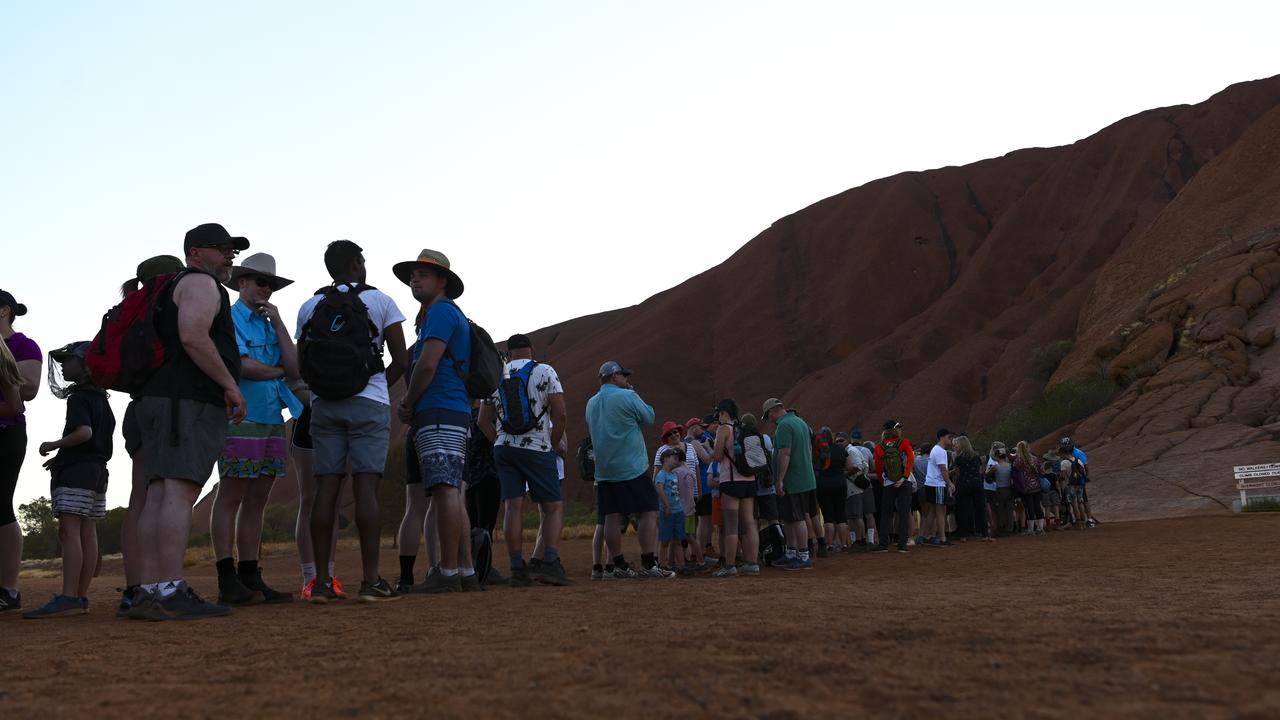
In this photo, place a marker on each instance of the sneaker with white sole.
(625, 572)
(654, 573)
(749, 569)
(726, 571)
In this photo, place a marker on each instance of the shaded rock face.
(923, 296)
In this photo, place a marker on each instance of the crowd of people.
(211, 378)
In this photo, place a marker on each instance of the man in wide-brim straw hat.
(435, 261)
(254, 452)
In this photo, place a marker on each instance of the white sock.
(871, 536)
(308, 572)
(168, 589)
(331, 568)
(448, 572)
(467, 572)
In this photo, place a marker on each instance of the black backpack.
(773, 544)
(485, 362)
(337, 352)
(515, 407)
(587, 460)
(481, 553)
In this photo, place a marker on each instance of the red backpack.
(128, 349)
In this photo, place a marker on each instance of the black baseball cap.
(212, 235)
(518, 341)
(892, 424)
(7, 300)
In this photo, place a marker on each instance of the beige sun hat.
(260, 264)
(437, 260)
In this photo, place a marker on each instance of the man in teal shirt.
(615, 416)
(797, 496)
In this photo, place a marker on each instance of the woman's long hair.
(1024, 454)
(964, 448)
(9, 373)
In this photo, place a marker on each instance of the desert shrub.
(1046, 359)
(1063, 404)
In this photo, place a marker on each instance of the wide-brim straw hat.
(260, 264)
(435, 259)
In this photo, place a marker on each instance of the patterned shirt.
(543, 383)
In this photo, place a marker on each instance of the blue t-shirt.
(1079, 455)
(445, 322)
(614, 418)
(669, 484)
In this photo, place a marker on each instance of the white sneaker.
(726, 571)
(748, 569)
(655, 573)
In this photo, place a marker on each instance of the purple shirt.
(23, 348)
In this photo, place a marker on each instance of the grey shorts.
(183, 450)
(855, 505)
(356, 429)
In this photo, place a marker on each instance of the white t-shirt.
(384, 313)
(937, 461)
(543, 383)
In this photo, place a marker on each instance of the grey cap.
(611, 368)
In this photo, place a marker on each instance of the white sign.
(1245, 472)
(1257, 484)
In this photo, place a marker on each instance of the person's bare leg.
(324, 522)
(10, 554)
(413, 524)
(447, 502)
(703, 534)
(613, 534)
(129, 528)
(227, 497)
(431, 533)
(73, 558)
(250, 519)
(746, 520)
(552, 526)
(173, 527)
(729, 521)
(540, 545)
(306, 500)
(365, 487)
(88, 549)
(513, 527)
(647, 532)
(597, 546)
(148, 524)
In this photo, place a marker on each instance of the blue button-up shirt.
(614, 418)
(258, 341)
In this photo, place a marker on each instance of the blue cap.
(611, 368)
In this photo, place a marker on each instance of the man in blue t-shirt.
(438, 411)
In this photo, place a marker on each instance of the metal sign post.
(1248, 478)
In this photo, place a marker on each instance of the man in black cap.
(526, 422)
(183, 412)
(13, 448)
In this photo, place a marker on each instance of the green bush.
(1045, 360)
(39, 530)
(1063, 404)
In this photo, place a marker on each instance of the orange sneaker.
(307, 587)
(337, 588)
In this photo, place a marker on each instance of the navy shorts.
(521, 468)
(627, 497)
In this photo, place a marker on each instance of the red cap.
(693, 422)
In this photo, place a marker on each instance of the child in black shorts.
(79, 482)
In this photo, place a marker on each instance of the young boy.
(671, 524)
(79, 484)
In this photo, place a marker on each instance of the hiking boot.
(727, 571)
(654, 573)
(625, 572)
(551, 573)
(379, 591)
(471, 583)
(273, 597)
(320, 592)
(748, 569)
(10, 602)
(496, 578)
(436, 582)
(231, 591)
(520, 577)
(146, 606)
(185, 604)
(59, 606)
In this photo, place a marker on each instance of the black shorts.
(302, 430)
(738, 489)
(767, 507)
(915, 498)
(702, 506)
(130, 430)
(832, 502)
(797, 507)
(628, 497)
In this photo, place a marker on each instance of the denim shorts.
(356, 429)
(521, 468)
(440, 441)
(671, 527)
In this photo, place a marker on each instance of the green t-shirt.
(793, 433)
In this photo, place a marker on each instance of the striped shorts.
(80, 489)
(440, 443)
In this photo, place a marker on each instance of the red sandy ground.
(1168, 618)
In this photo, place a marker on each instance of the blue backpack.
(515, 410)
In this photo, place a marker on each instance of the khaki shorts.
(181, 439)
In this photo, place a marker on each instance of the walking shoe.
(781, 562)
(10, 602)
(1091, 523)
(59, 606)
(933, 542)
(654, 573)
(797, 564)
(379, 591)
(471, 583)
(823, 551)
(748, 569)
(306, 590)
(185, 604)
(231, 591)
(902, 549)
(127, 599)
(624, 572)
(320, 592)
(520, 577)
(880, 549)
(337, 588)
(496, 578)
(404, 587)
(945, 542)
(146, 606)
(726, 571)
(436, 582)
(551, 573)
(274, 597)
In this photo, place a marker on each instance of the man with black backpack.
(341, 333)
(530, 416)
(182, 411)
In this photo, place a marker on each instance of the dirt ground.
(1168, 618)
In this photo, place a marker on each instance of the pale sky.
(568, 157)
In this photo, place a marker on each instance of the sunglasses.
(224, 249)
(262, 282)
